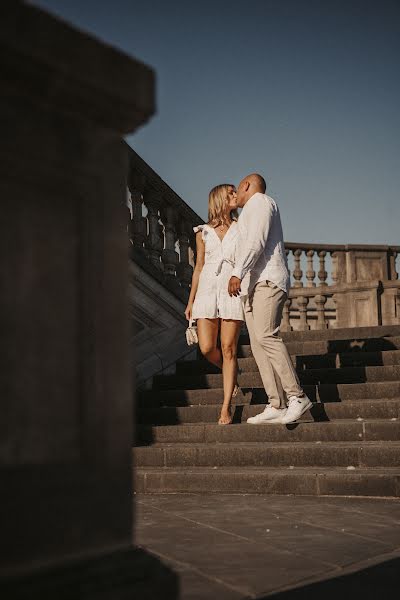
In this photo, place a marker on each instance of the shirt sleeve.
(254, 231)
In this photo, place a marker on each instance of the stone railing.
(160, 227)
(331, 285)
(341, 286)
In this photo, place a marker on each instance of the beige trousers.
(263, 312)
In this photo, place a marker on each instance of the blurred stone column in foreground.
(66, 399)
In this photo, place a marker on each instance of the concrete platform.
(228, 547)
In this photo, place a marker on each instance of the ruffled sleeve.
(198, 228)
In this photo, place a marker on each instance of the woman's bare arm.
(200, 257)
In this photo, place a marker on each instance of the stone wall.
(66, 396)
(158, 327)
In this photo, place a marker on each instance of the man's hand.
(234, 286)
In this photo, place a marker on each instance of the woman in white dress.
(209, 301)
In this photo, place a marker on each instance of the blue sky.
(306, 93)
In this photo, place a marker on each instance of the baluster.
(320, 302)
(302, 302)
(286, 316)
(397, 306)
(192, 248)
(335, 323)
(297, 272)
(393, 272)
(129, 203)
(154, 242)
(322, 274)
(184, 270)
(335, 274)
(138, 227)
(287, 252)
(129, 215)
(310, 273)
(169, 256)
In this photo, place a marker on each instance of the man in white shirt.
(261, 277)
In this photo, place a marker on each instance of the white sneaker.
(296, 407)
(269, 415)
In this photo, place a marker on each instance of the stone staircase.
(347, 444)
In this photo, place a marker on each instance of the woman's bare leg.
(230, 330)
(207, 331)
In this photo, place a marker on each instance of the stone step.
(366, 332)
(356, 358)
(270, 454)
(378, 482)
(252, 379)
(294, 348)
(316, 361)
(365, 409)
(323, 392)
(338, 334)
(350, 374)
(331, 431)
(317, 347)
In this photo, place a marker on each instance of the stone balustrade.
(341, 286)
(160, 227)
(332, 285)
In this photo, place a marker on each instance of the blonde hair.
(217, 200)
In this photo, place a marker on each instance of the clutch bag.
(191, 334)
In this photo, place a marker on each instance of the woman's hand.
(234, 286)
(188, 311)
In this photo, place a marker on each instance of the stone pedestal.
(66, 398)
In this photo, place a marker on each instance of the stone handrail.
(332, 285)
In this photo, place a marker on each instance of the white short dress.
(212, 300)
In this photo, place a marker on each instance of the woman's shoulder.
(199, 228)
(204, 228)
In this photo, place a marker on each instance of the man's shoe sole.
(276, 420)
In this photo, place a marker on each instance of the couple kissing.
(241, 274)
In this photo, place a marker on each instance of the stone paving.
(228, 547)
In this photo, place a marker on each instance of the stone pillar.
(339, 266)
(392, 261)
(66, 398)
(365, 263)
